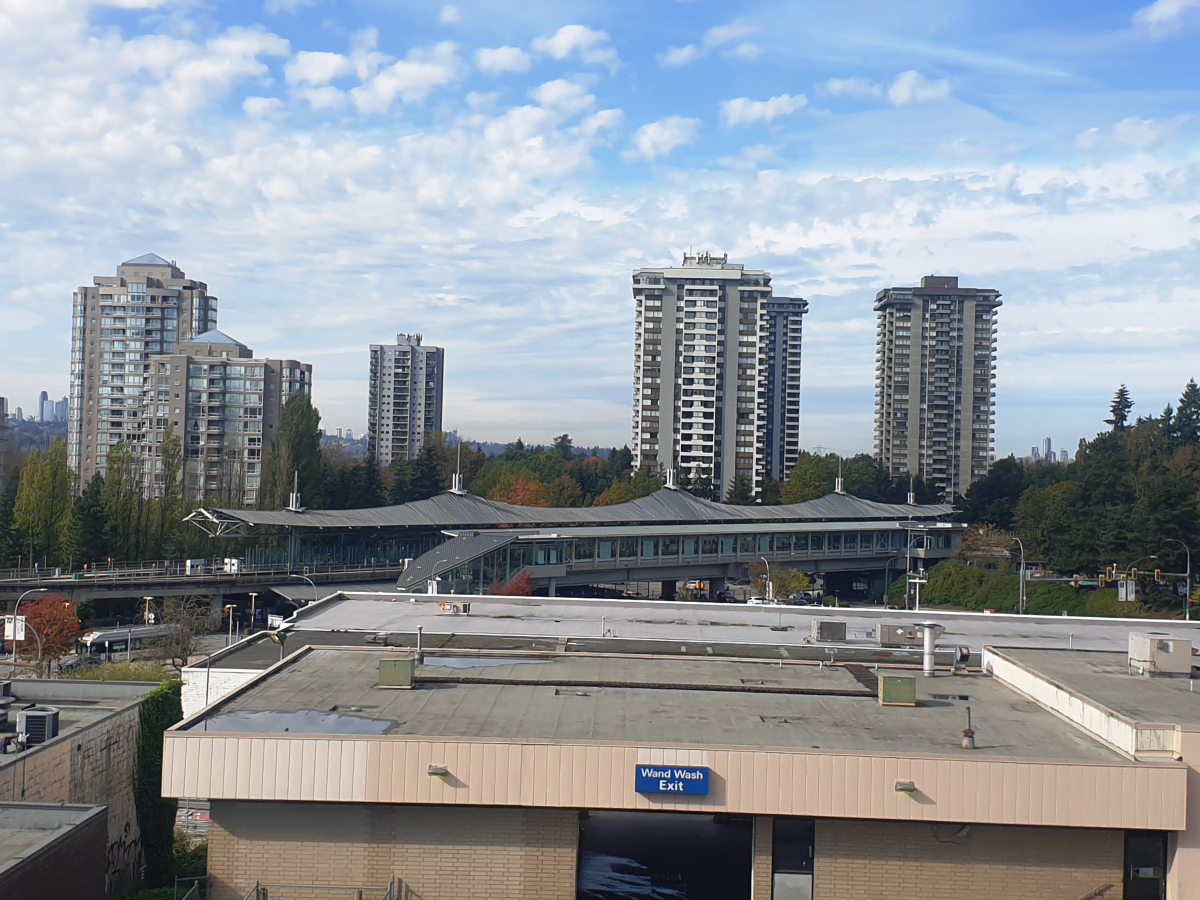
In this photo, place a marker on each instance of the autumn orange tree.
(519, 489)
(53, 617)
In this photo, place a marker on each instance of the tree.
(784, 582)
(87, 534)
(1120, 407)
(563, 445)
(9, 539)
(986, 546)
(189, 617)
(427, 475)
(520, 488)
(42, 507)
(520, 585)
(623, 490)
(994, 498)
(294, 456)
(769, 493)
(1187, 417)
(741, 492)
(53, 619)
(809, 479)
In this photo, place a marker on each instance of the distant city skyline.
(492, 179)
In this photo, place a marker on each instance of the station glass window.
(849, 541)
(783, 543)
(649, 548)
(670, 546)
(816, 542)
(766, 543)
(728, 546)
(746, 543)
(628, 548)
(691, 546)
(606, 549)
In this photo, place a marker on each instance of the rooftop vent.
(1157, 653)
(897, 690)
(38, 723)
(396, 672)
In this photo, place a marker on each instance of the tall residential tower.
(935, 382)
(405, 400)
(716, 372)
(147, 308)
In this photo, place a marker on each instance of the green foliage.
(135, 670)
(1120, 408)
(190, 861)
(294, 457)
(160, 709)
(9, 540)
(815, 476)
(559, 476)
(741, 492)
(1105, 603)
(993, 499)
(42, 509)
(87, 538)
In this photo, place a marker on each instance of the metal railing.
(200, 888)
(173, 571)
(272, 891)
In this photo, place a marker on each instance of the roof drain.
(968, 740)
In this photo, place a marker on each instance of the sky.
(490, 173)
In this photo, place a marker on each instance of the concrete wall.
(70, 867)
(481, 853)
(857, 860)
(93, 765)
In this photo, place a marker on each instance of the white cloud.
(308, 67)
(679, 56)
(1131, 133)
(502, 59)
(743, 110)
(660, 138)
(261, 106)
(674, 57)
(747, 52)
(1164, 15)
(913, 87)
(592, 46)
(449, 14)
(850, 87)
(723, 34)
(565, 96)
(410, 79)
(276, 6)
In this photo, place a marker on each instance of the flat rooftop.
(550, 617)
(25, 828)
(643, 700)
(1103, 676)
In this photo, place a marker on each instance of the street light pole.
(16, 609)
(1021, 579)
(1187, 579)
(310, 581)
(768, 588)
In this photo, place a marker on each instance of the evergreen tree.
(87, 535)
(1120, 407)
(1187, 417)
(993, 499)
(741, 492)
(769, 493)
(563, 445)
(8, 537)
(426, 475)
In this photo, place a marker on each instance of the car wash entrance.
(664, 856)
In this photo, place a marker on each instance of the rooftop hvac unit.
(828, 630)
(38, 723)
(396, 672)
(892, 635)
(1157, 653)
(897, 690)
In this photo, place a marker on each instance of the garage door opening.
(664, 856)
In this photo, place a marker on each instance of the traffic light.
(1158, 575)
(1101, 582)
(1133, 573)
(1108, 574)
(1075, 580)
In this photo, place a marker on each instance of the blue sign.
(672, 779)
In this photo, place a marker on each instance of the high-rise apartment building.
(224, 404)
(117, 324)
(716, 372)
(405, 401)
(935, 382)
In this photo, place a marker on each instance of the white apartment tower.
(405, 401)
(935, 382)
(117, 324)
(716, 372)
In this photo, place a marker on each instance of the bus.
(124, 642)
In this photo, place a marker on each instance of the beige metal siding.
(760, 782)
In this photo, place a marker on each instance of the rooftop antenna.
(839, 486)
(456, 487)
(912, 491)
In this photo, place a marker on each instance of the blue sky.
(489, 173)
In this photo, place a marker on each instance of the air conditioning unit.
(893, 635)
(38, 723)
(1157, 653)
(455, 608)
(828, 630)
(397, 672)
(897, 690)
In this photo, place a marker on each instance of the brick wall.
(760, 884)
(438, 853)
(871, 860)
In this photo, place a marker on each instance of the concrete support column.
(667, 590)
(550, 588)
(715, 586)
(764, 862)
